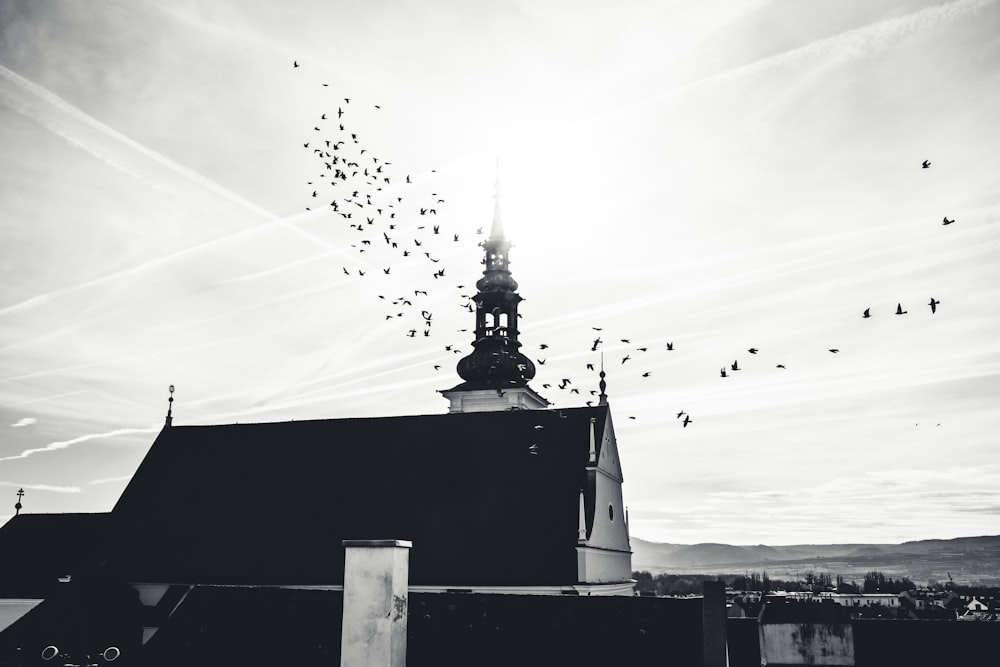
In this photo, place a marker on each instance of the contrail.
(123, 478)
(63, 444)
(107, 144)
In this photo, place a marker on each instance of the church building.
(501, 494)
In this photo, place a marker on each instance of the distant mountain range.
(968, 560)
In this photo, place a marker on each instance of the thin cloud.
(43, 487)
(26, 421)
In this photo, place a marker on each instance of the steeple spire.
(496, 231)
(495, 363)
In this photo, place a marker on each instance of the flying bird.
(295, 63)
(679, 414)
(926, 164)
(899, 309)
(687, 420)
(735, 365)
(533, 449)
(866, 314)
(753, 350)
(722, 372)
(933, 304)
(626, 358)
(947, 221)
(670, 346)
(834, 350)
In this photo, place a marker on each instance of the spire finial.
(496, 231)
(602, 384)
(17, 505)
(170, 407)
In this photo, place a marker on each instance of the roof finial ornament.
(170, 407)
(603, 385)
(18, 505)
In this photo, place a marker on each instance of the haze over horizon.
(722, 176)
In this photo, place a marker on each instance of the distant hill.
(966, 559)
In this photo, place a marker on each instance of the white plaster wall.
(599, 566)
(609, 530)
(489, 400)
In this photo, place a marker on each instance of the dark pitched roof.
(36, 549)
(270, 503)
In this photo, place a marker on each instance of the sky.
(723, 175)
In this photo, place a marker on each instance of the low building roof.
(37, 549)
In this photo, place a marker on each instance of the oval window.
(611, 512)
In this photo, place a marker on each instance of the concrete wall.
(806, 644)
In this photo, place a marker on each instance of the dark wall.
(468, 629)
(880, 643)
(273, 626)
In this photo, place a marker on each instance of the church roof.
(40, 548)
(271, 503)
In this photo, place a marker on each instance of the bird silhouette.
(926, 164)
(647, 374)
(543, 346)
(722, 372)
(687, 420)
(780, 366)
(899, 309)
(596, 343)
(933, 304)
(866, 313)
(533, 449)
(753, 350)
(626, 358)
(735, 365)
(679, 414)
(590, 367)
(541, 362)
(947, 221)
(834, 350)
(670, 346)
(295, 63)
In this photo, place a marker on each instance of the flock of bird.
(381, 206)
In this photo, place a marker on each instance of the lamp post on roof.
(170, 408)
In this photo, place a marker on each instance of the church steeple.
(496, 373)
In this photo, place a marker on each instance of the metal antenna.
(17, 505)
